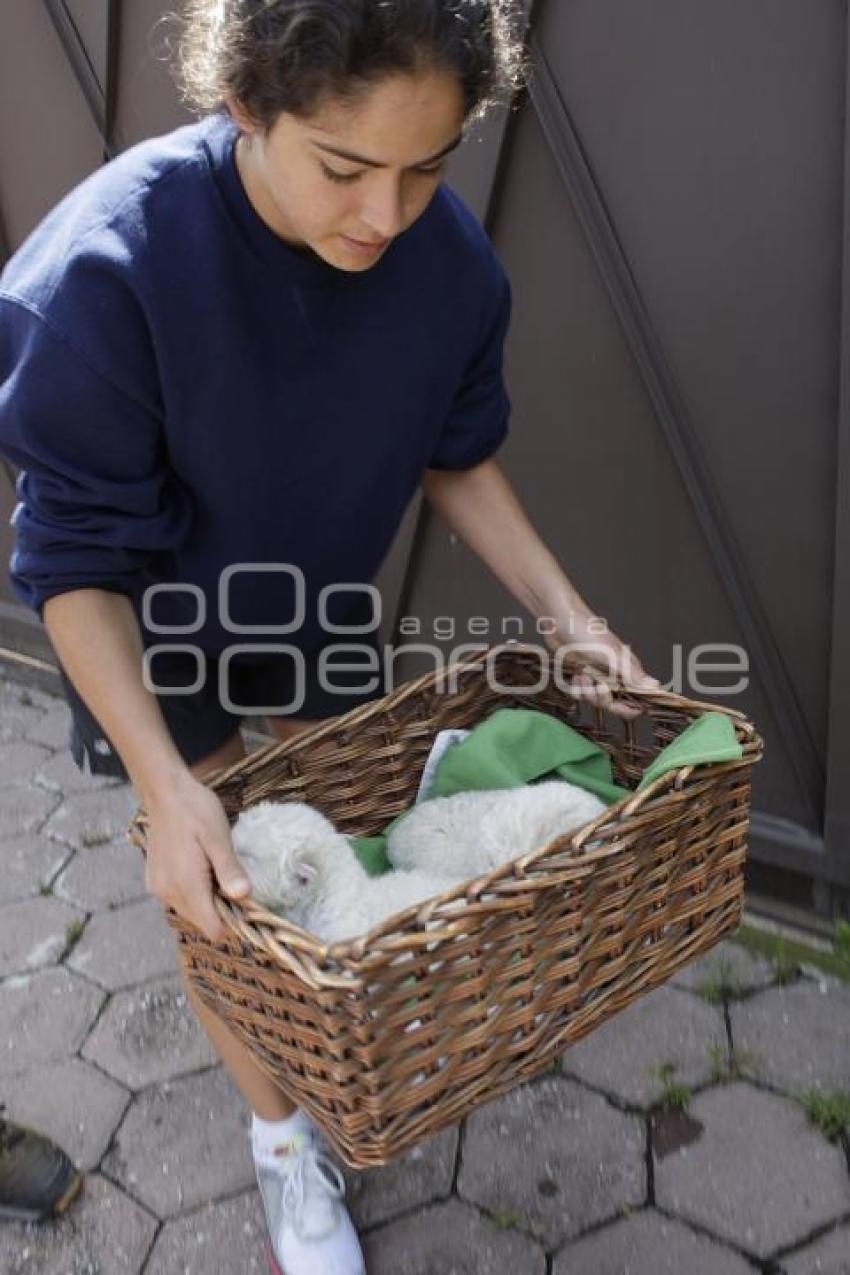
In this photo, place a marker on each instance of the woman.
(239, 348)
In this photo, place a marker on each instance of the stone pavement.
(670, 1140)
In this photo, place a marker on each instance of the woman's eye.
(334, 176)
(345, 178)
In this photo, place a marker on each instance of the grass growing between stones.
(675, 1095)
(785, 967)
(90, 839)
(726, 1065)
(721, 985)
(505, 1220)
(841, 944)
(73, 934)
(787, 955)
(830, 1112)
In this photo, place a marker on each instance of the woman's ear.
(241, 116)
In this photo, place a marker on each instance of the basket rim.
(642, 697)
(314, 960)
(249, 922)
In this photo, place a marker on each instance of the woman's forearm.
(96, 636)
(480, 505)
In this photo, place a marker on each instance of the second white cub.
(474, 832)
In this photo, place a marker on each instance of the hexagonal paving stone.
(92, 818)
(60, 771)
(20, 760)
(102, 877)
(648, 1244)
(24, 692)
(34, 932)
(149, 1034)
(420, 1176)
(732, 963)
(103, 1233)
(72, 1103)
(184, 1143)
(29, 863)
(450, 1239)
(41, 696)
(16, 715)
(126, 946)
(759, 1175)
(221, 1239)
(44, 1017)
(556, 1156)
(25, 808)
(51, 728)
(796, 1037)
(830, 1255)
(667, 1026)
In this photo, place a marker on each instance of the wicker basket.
(390, 1037)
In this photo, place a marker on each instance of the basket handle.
(643, 697)
(639, 697)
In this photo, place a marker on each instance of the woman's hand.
(602, 663)
(188, 844)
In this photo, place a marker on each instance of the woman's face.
(348, 179)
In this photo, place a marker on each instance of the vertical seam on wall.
(670, 411)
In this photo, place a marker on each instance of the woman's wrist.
(162, 783)
(565, 616)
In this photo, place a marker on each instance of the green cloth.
(515, 746)
(711, 738)
(372, 853)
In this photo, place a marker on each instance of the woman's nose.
(383, 212)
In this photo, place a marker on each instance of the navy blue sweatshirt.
(184, 392)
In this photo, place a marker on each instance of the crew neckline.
(305, 267)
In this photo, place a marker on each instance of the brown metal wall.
(47, 139)
(670, 209)
(48, 142)
(713, 136)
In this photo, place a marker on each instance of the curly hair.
(289, 55)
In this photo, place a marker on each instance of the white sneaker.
(310, 1231)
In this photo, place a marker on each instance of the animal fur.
(475, 832)
(301, 868)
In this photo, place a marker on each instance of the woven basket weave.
(387, 1038)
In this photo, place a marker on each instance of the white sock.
(270, 1137)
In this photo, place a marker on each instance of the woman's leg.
(257, 1088)
(284, 1143)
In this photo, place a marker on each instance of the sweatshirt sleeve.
(96, 500)
(478, 421)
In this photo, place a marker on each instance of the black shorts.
(209, 702)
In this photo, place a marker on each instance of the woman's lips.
(365, 249)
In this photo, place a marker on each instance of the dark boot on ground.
(37, 1180)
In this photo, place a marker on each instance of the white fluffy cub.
(474, 832)
(304, 870)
